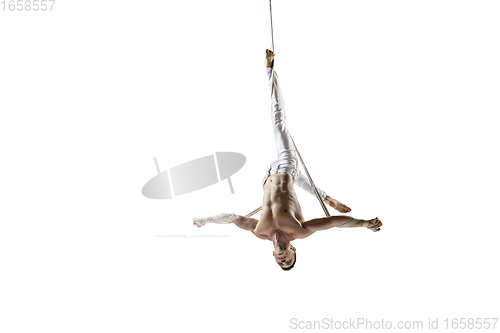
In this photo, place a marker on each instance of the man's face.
(285, 258)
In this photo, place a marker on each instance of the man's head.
(286, 258)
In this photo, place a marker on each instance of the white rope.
(271, 12)
(310, 180)
(254, 211)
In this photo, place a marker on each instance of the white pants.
(287, 155)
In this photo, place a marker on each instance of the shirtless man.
(282, 220)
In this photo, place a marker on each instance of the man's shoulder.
(302, 231)
(261, 236)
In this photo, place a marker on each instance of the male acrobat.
(281, 220)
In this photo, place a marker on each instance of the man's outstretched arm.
(341, 222)
(243, 222)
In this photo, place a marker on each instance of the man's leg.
(287, 154)
(284, 143)
(304, 184)
(287, 157)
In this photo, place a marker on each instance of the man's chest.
(273, 220)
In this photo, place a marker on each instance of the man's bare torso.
(280, 209)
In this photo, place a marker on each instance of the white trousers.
(287, 160)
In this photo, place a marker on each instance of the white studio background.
(392, 105)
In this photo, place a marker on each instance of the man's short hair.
(291, 266)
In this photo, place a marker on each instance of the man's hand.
(269, 58)
(199, 222)
(337, 205)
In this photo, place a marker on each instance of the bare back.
(280, 208)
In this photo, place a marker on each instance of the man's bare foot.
(337, 205)
(269, 58)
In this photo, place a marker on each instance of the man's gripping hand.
(200, 222)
